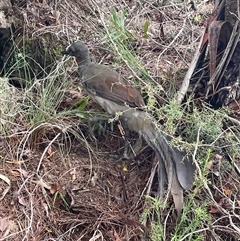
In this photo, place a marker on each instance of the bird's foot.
(97, 124)
(134, 149)
(124, 157)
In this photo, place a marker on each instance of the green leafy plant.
(120, 40)
(152, 214)
(145, 29)
(57, 195)
(119, 32)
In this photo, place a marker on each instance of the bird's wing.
(106, 83)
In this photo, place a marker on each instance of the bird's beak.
(65, 52)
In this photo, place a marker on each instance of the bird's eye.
(93, 91)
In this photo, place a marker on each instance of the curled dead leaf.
(22, 201)
(73, 173)
(7, 180)
(50, 152)
(228, 192)
(94, 179)
(20, 172)
(53, 189)
(117, 237)
(213, 209)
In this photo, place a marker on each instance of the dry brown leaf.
(15, 162)
(50, 152)
(117, 238)
(228, 192)
(222, 201)
(15, 173)
(94, 179)
(218, 157)
(22, 201)
(20, 172)
(7, 180)
(213, 209)
(53, 189)
(4, 222)
(73, 173)
(209, 165)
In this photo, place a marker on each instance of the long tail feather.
(175, 167)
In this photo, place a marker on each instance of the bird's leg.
(126, 145)
(125, 135)
(96, 119)
(135, 148)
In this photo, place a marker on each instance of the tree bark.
(232, 11)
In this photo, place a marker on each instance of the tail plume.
(175, 167)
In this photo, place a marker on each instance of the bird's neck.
(83, 61)
(83, 65)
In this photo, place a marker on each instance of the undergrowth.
(31, 105)
(33, 110)
(202, 128)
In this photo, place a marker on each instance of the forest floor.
(59, 180)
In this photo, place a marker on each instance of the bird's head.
(78, 50)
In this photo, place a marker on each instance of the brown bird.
(115, 95)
